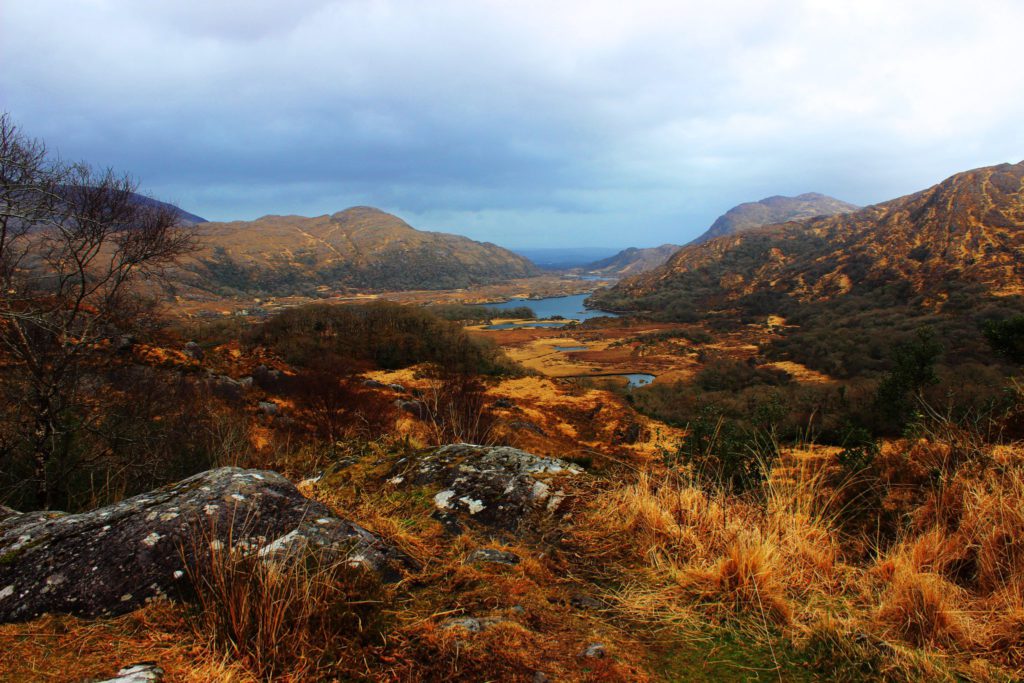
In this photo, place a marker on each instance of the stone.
(491, 556)
(397, 387)
(144, 672)
(267, 378)
(194, 351)
(594, 651)
(417, 408)
(495, 486)
(585, 602)
(373, 384)
(269, 408)
(115, 559)
(468, 623)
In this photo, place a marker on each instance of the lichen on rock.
(114, 559)
(493, 486)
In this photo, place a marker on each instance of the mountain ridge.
(360, 248)
(771, 210)
(969, 226)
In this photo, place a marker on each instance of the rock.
(228, 388)
(526, 425)
(144, 672)
(585, 602)
(504, 403)
(267, 378)
(594, 651)
(194, 351)
(114, 559)
(417, 408)
(269, 408)
(373, 384)
(468, 623)
(495, 486)
(471, 624)
(125, 343)
(540, 677)
(397, 387)
(489, 555)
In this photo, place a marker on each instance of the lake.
(565, 306)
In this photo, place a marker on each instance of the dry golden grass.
(290, 620)
(945, 595)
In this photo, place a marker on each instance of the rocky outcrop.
(116, 558)
(493, 486)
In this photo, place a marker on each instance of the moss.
(11, 556)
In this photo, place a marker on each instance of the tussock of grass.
(277, 617)
(947, 595)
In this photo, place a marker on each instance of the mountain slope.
(771, 210)
(851, 285)
(183, 216)
(359, 249)
(633, 261)
(741, 218)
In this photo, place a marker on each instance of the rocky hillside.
(775, 209)
(967, 229)
(748, 216)
(851, 286)
(633, 261)
(359, 249)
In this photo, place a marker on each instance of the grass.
(296, 617)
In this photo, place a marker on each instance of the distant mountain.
(564, 258)
(632, 261)
(969, 228)
(183, 215)
(748, 216)
(950, 256)
(359, 249)
(775, 209)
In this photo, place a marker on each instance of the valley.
(408, 456)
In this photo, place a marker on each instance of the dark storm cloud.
(519, 122)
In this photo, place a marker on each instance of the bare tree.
(74, 243)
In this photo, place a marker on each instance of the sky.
(558, 123)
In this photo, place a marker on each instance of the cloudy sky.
(531, 124)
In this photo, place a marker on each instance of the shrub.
(1006, 337)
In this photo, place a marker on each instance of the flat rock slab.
(495, 486)
(114, 559)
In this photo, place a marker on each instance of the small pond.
(639, 379)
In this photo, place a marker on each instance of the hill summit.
(776, 209)
(361, 248)
(968, 228)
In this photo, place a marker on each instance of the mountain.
(740, 218)
(775, 209)
(632, 261)
(850, 285)
(359, 249)
(183, 216)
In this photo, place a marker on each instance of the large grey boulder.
(114, 559)
(494, 486)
